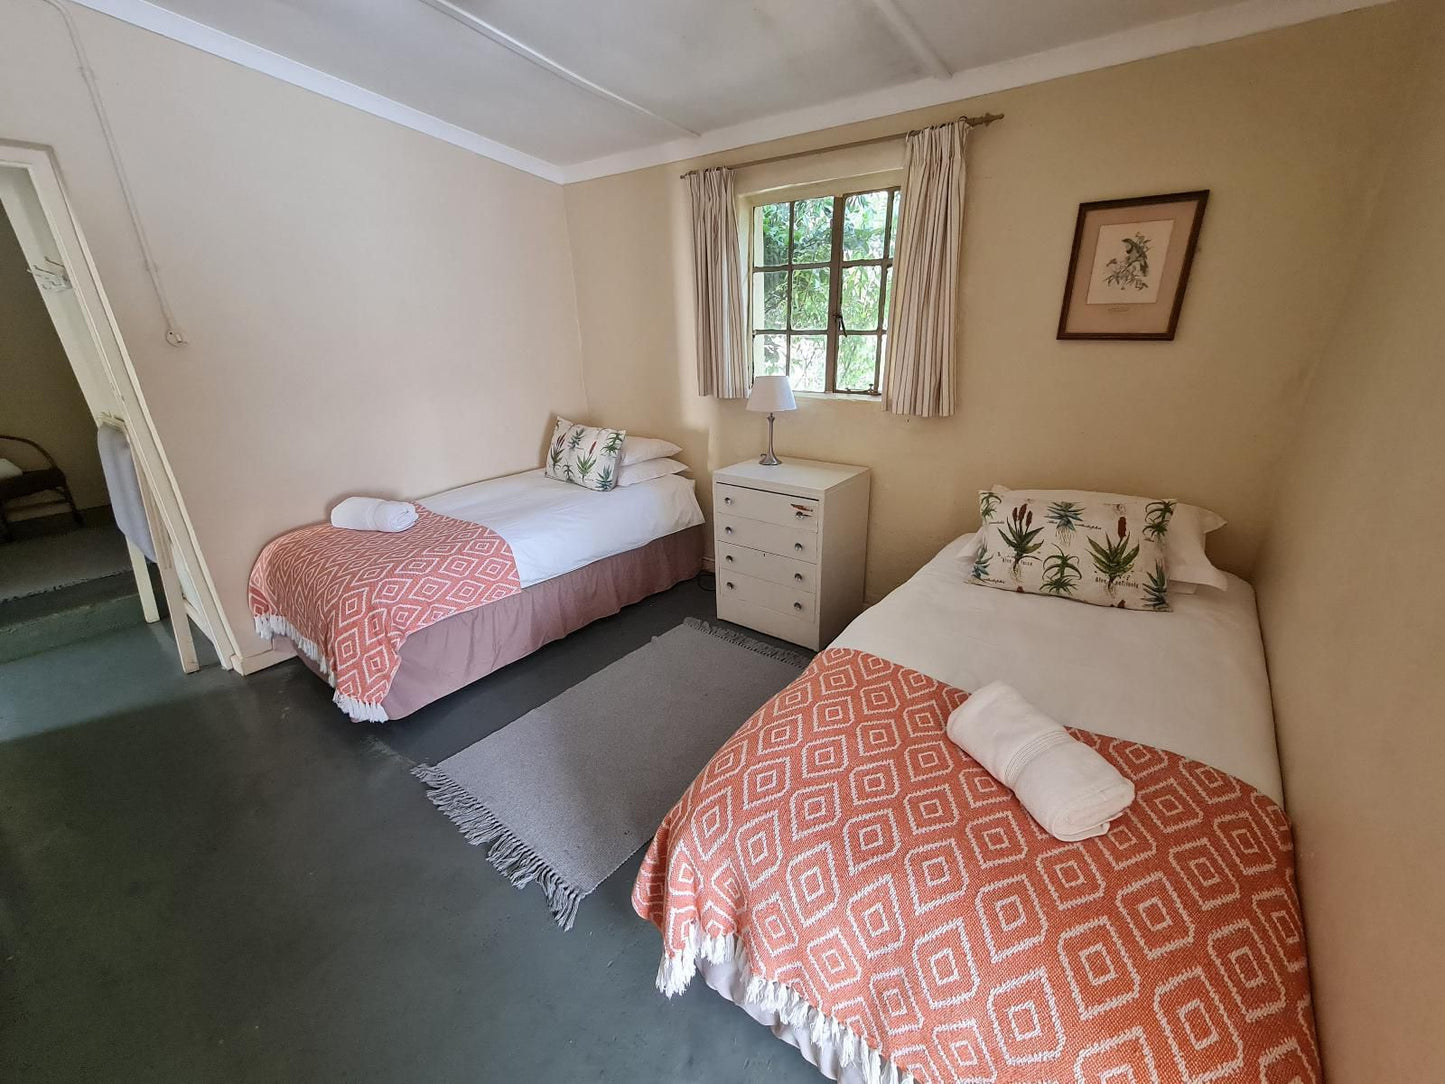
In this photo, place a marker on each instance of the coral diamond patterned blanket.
(876, 885)
(349, 599)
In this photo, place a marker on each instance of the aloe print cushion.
(584, 456)
(1105, 554)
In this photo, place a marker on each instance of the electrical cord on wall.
(174, 335)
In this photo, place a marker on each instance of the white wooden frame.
(177, 550)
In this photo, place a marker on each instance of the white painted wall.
(368, 309)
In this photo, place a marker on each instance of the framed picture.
(1130, 266)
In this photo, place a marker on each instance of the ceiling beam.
(167, 23)
(1120, 47)
(908, 35)
(526, 52)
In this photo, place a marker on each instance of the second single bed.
(573, 555)
(858, 884)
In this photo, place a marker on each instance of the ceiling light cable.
(174, 335)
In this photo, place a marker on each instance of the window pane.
(887, 285)
(860, 296)
(770, 235)
(770, 355)
(893, 237)
(809, 363)
(770, 299)
(855, 362)
(864, 216)
(812, 230)
(882, 358)
(810, 299)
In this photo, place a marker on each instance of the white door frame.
(119, 373)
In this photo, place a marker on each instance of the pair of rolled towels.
(373, 514)
(1065, 785)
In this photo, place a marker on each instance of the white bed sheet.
(555, 528)
(1192, 681)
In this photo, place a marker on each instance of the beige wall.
(368, 308)
(39, 396)
(1285, 129)
(1353, 609)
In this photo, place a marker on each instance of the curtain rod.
(973, 122)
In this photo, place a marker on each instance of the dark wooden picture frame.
(1148, 300)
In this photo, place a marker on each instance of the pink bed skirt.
(451, 654)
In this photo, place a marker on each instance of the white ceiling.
(577, 88)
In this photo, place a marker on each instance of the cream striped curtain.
(919, 369)
(722, 348)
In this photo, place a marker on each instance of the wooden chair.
(28, 483)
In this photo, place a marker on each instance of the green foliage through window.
(820, 276)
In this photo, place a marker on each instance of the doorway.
(65, 569)
(62, 383)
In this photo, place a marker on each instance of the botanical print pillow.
(583, 456)
(1106, 554)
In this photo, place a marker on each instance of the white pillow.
(9, 469)
(646, 472)
(1184, 548)
(641, 449)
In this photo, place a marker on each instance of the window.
(819, 299)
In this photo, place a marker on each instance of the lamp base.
(768, 459)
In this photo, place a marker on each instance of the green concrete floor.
(210, 878)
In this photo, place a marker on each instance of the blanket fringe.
(796, 656)
(362, 711)
(508, 853)
(677, 970)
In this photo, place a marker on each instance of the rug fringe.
(677, 970)
(509, 854)
(361, 711)
(800, 657)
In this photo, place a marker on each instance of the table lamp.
(771, 394)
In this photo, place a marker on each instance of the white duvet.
(1192, 681)
(555, 528)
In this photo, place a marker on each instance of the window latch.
(842, 327)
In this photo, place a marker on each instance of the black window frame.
(836, 265)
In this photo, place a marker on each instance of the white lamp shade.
(771, 395)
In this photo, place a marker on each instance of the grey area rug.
(566, 793)
(52, 561)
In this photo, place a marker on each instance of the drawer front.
(802, 605)
(802, 545)
(799, 575)
(792, 629)
(776, 508)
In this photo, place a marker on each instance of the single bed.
(1192, 682)
(580, 555)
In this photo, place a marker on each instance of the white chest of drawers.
(790, 543)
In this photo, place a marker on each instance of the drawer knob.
(730, 585)
(796, 575)
(796, 605)
(728, 558)
(727, 500)
(727, 530)
(801, 515)
(796, 545)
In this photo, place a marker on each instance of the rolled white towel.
(1068, 788)
(373, 514)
